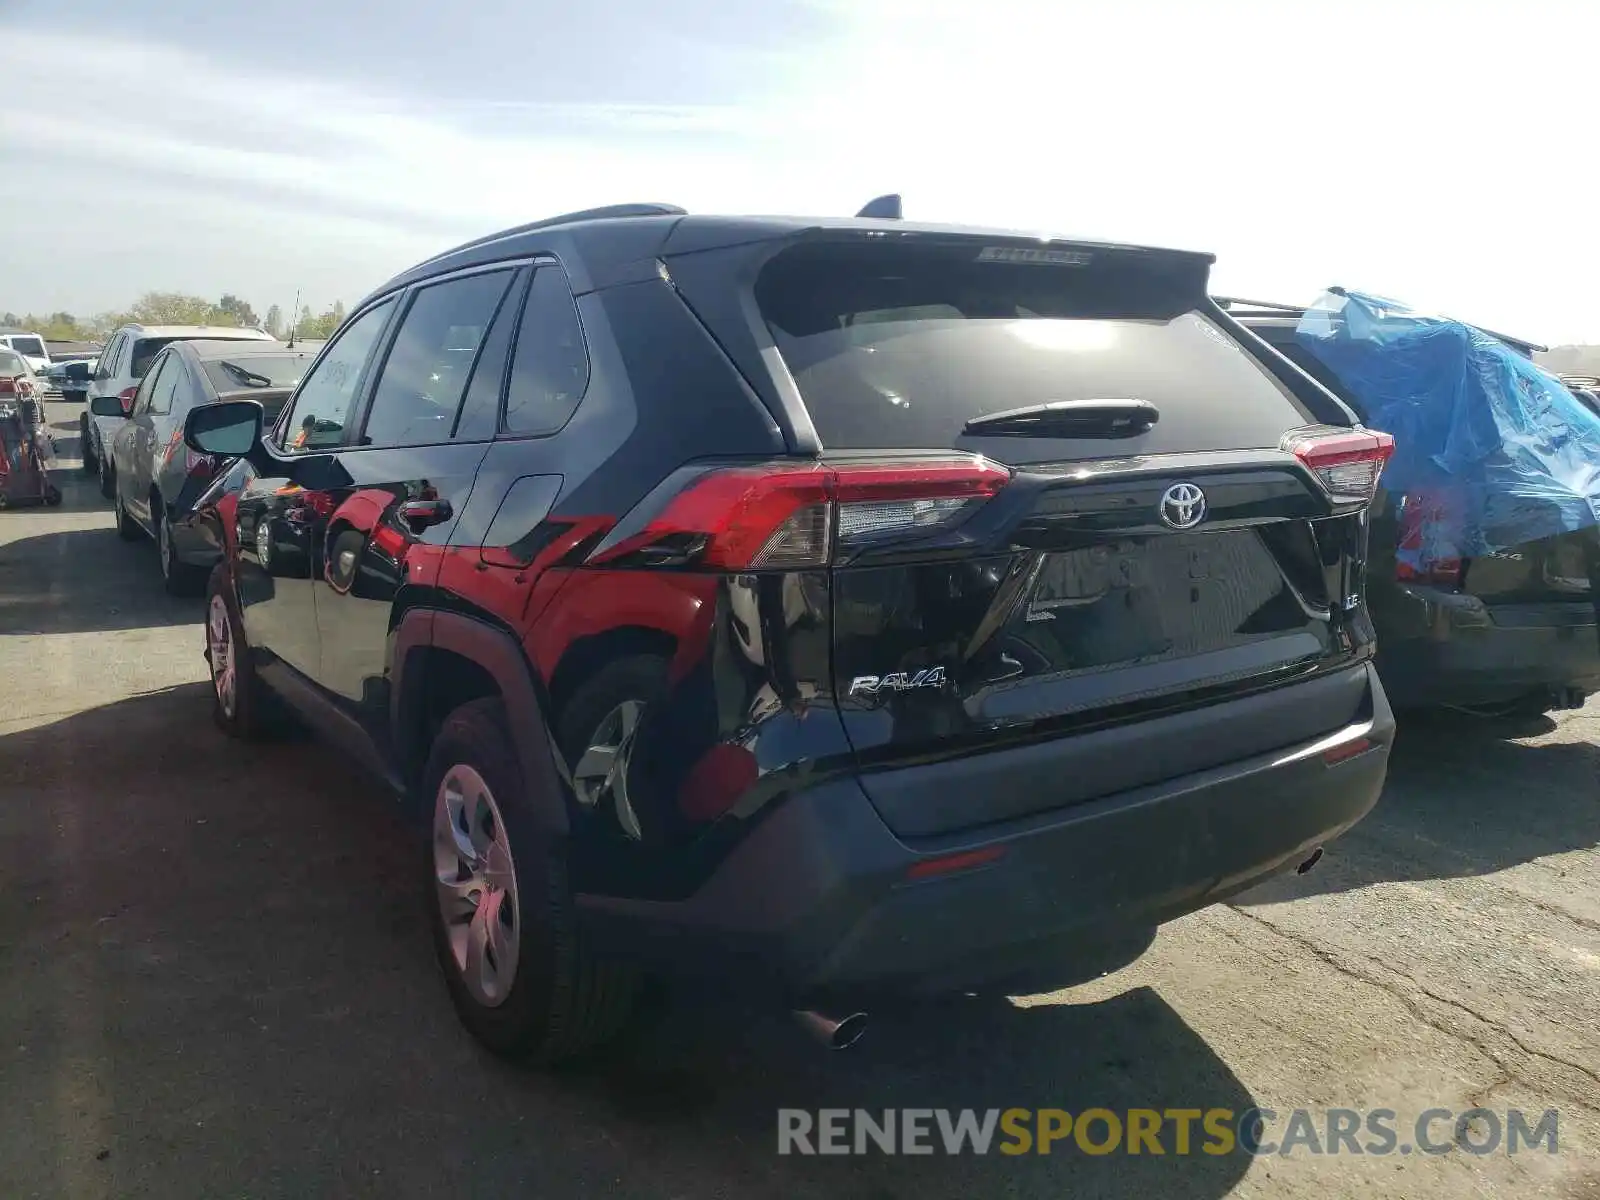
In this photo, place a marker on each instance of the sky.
(1444, 154)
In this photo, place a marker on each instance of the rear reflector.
(1348, 462)
(948, 864)
(1348, 750)
(783, 515)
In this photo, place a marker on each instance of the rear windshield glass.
(144, 353)
(28, 345)
(898, 347)
(12, 364)
(257, 371)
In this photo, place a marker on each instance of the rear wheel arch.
(442, 660)
(589, 654)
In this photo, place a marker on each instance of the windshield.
(11, 364)
(28, 345)
(257, 371)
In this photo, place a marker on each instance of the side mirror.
(107, 406)
(78, 372)
(228, 428)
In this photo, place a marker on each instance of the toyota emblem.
(1183, 506)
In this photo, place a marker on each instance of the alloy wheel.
(476, 885)
(602, 769)
(219, 642)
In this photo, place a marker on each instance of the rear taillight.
(1423, 553)
(8, 385)
(786, 515)
(1348, 462)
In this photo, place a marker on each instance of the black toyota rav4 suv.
(847, 607)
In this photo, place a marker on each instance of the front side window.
(428, 367)
(323, 405)
(550, 371)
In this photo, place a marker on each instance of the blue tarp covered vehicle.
(1505, 448)
(1484, 545)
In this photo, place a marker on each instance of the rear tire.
(128, 529)
(534, 990)
(180, 578)
(244, 708)
(108, 478)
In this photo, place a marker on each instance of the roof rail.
(1232, 302)
(609, 212)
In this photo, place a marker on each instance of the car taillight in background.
(1347, 462)
(8, 384)
(783, 515)
(126, 396)
(1423, 522)
(194, 463)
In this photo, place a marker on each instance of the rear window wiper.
(248, 378)
(1070, 418)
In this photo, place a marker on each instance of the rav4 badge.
(897, 681)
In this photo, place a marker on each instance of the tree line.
(176, 308)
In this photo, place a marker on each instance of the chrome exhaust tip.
(834, 1033)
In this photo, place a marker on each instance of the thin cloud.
(1391, 150)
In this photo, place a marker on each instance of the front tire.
(85, 447)
(108, 478)
(519, 974)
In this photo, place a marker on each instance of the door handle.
(419, 514)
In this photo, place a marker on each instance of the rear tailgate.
(1127, 571)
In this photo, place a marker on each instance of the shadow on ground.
(82, 581)
(217, 980)
(1463, 799)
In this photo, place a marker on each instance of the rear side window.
(430, 363)
(897, 347)
(550, 370)
(165, 390)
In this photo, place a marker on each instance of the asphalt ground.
(216, 980)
